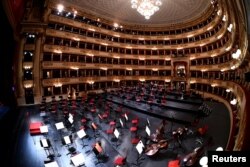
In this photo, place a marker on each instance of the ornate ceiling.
(171, 11)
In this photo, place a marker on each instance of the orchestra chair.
(203, 130)
(135, 121)
(110, 131)
(120, 161)
(112, 124)
(135, 140)
(133, 130)
(174, 163)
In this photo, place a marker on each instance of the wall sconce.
(28, 86)
(74, 68)
(58, 51)
(104, 68)
(193, 81)
(90, 54)
(213, 85)
(27, 67)
(233, 102)
(57, 84)
(91, 82)
(142, 79)
(129, 69)
(155, 69)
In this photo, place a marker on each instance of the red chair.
(120, 161)
(174, 163)
(135, 140)
(203, 130)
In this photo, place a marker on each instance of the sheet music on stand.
(71, 120)
(148, 130)
(121, 122)
(59, 125)
(81, 133)
(67, 140)
(139, 147)
(44, 143)
(126, 117)
(78, 159)
(148, 122)
(94, 126)
(116, 133)
(44, 129)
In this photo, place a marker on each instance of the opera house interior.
(123, 83)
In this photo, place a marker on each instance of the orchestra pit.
(107, 83)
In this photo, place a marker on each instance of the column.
(36, 66)
(20, 88)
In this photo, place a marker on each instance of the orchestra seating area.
(175, 140)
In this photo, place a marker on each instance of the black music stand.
(82, 134)
(78, 160)
(97, 151)
(148, 122)
(44, 130)
(67, 140)
(94, 128)
(117, 134)
(139, 148)
(148, 132)
(126, 119)
(45, 143)
(59, 127)
(122, 125)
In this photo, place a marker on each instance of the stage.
(26, 150)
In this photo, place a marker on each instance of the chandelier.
(146, 7)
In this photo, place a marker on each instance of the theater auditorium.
(132, 83)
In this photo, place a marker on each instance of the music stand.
(94, 127)
(78, 160)
(117, 134)
(81, 134)
(122, 125)
(97, 151)
(71, 119)
(45, 143)
(44, 129)
(51, 164)
(126, 118)
(139, 147)
(66, 141)
(148, 131)
(59, 127)
(148, 122)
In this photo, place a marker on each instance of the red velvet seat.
(133, 129)
(119, 161)
(203, 130)
(135, 140)
(174, 163)
(110, 131)
(112, 123)
(35, 128)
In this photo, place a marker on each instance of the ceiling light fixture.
(146, 7)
